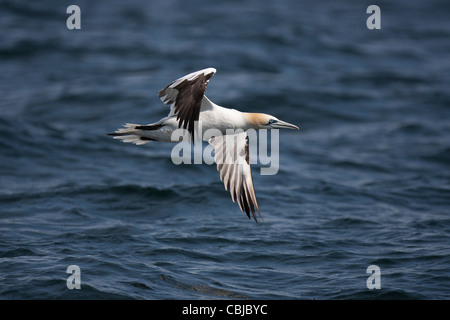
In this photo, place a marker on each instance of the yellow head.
(266, 121)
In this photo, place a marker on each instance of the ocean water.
(366, 181)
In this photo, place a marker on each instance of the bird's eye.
(271, 121)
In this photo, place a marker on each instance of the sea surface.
(366, 180)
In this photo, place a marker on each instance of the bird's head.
(266, 121)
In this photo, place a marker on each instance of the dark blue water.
(366, 181)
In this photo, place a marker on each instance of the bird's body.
(191, 110)
(212, 116)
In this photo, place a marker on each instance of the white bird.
(188, 107)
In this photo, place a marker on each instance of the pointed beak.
(284, 125)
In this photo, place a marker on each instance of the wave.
(93, 190)
(202, 289)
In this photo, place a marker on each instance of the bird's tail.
(135, 133)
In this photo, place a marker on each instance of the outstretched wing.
(185, 97)
(231, 154)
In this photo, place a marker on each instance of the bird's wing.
(185, 97)
(231, 154)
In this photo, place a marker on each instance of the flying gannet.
(188, 107)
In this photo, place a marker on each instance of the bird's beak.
(284, 125)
